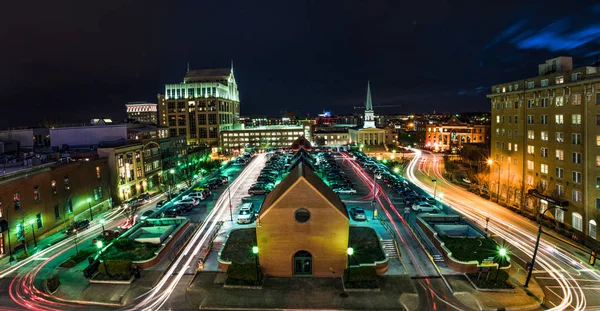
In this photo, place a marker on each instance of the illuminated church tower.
(369, 114)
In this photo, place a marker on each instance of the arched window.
(577, 221)
(592, 229)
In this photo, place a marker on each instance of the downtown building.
(142, 112)
(545, 144)
(204, 104)
(451, 134)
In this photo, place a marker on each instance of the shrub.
(118, 269)
(243, 274)
(22, 256)
(238, 247)
(491, 283)
(361, 277)
(125, 249)
(366, 245)
(53, 282)
(82, 255)
(124, 244)
(70, 263)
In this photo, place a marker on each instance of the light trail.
(549, 256)
(159, 295)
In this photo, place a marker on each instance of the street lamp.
(537, 243)
(502, 253)
(230, 207)
(31, 222)
(434, 187)
(374, 195)
(89, 200)
(171, 171)
(76, 237)
(490, 162)
(102, 223)
(99, 246)
(255, 252)
(350, 252)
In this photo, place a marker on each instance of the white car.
(246, 214)
(187, 201)
(344, 190)
(423, 207)
(195, 195)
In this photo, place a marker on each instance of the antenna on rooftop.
(188, 67)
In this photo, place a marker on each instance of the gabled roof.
(302, 173)
(302, 157)
(301, 143)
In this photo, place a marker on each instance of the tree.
(130, 211)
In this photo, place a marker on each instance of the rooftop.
(206, 74)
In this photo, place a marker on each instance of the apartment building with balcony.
(546, 143)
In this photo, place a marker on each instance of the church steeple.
(369, 114)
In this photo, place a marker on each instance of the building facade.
(275, 136)
(368, 135)
(546, 143)
(453, 133)
(331, 137)
(29, 138)
(204, 104)
(48, 198)
(133, 166)
(292, 225)
(142, 112)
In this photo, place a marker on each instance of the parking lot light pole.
(230, 207)
(102, 223)
(502, 254)
(31, 222)
(89, 200)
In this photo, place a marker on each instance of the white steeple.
(369, 114)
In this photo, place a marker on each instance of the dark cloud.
(73, 60)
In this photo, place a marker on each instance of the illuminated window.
(544, 135)
(544, 168)
(560, 155)
(576, 100)
(530, 149)
(97, 171)
(530, 165)
(576, 119)
(559, 101)
(530, 84)
(544, 82)
(560, 80)
(559, 119)
(560, 172)
(577, 219)
(530, 134)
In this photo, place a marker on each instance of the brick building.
(50, 196)
(302, 228)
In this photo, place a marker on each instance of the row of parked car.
(339, 182)
(244, 158)
(420, 203)
(266, 180)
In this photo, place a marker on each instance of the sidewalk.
(520, 299)
(207, 292)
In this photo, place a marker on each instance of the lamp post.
(537, 244)
(76, 237)
(99, 245)
(230, 207)
(89, 200)
(255, 252)
(434, 187)
(11, 258)
(490, 162)
(502, 254)
(350, 252)
(102, 223)
(374, 195)
(31, 222)
(172, 172)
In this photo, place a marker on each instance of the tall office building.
(200, 107)
(546, 143)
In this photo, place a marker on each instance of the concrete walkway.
(207, 292)
(520, 299)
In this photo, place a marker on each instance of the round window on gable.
(302, 215)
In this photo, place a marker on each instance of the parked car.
(195, 195)
(172, 212)
(144, 197)
(187, 201)
(246, 214)
(224, 179)
(161, 203)
(77, 226)
(106, 236)
(254, 190)
(146, 214)
(344, 190)
(358, 213)
(423, 207)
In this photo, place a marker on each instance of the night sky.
(69, 61)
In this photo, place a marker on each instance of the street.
(569, 283)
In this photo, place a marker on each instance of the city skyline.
(312, 56)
